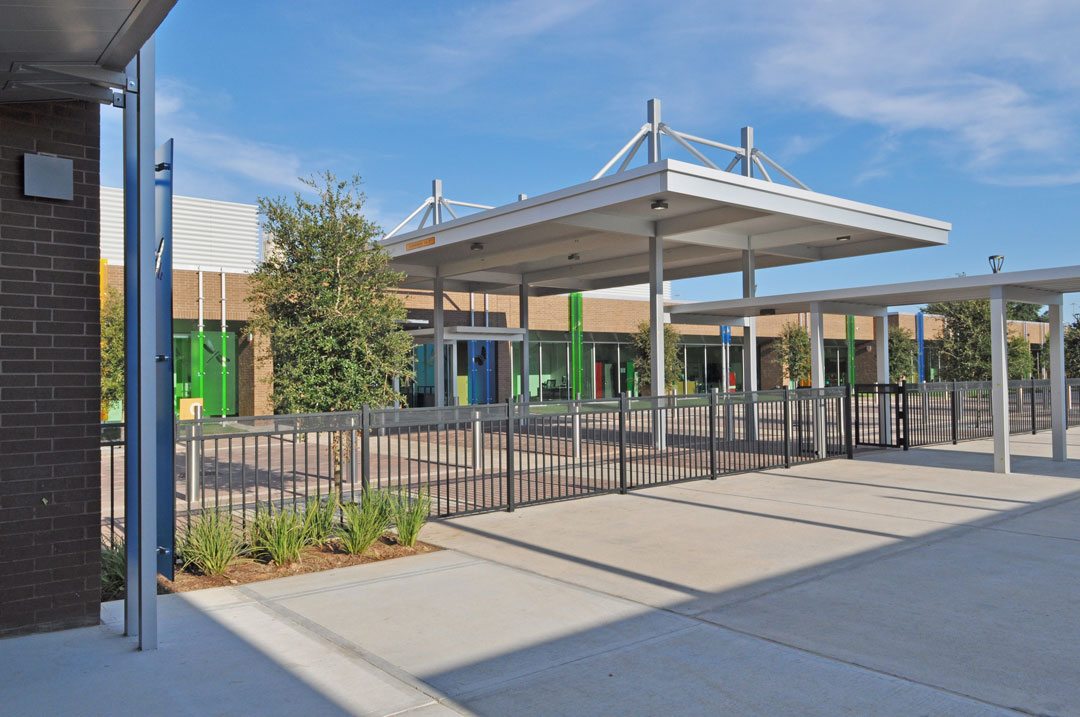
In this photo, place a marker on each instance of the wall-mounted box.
(47, 176)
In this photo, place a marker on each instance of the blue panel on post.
(920, 338)
(163, 283)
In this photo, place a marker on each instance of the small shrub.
(410, 515)
(365, 523)
(113, 568)
(278, 536)
(210, 544)
(319, 518)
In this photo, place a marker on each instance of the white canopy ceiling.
(1038, 286)
(595, 235)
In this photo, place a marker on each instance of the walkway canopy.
(663, 220)
(1040, 286)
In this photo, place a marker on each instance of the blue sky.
(965, 111)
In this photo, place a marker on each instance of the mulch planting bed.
(313, 559)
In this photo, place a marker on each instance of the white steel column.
(749, 343)
(999, 392)
(1058, 414)
(658, 384)
(439, 344)
(881, 352)
(652, 108)
(817, 373)
(523, 319)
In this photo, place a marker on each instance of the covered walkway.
(1042, 287)
(876, 586)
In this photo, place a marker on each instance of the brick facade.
(49, 376)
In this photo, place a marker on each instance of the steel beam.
(523, 320)
(817, 373)
(881, 352)
(439, 342)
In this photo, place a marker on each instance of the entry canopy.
(1037, 286)
(77, 50)
(595, 235)
(470, 333)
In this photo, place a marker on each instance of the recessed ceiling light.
(573, 257)
(846, 237)
(659, 205)
(476, 246)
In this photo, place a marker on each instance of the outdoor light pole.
(996, 262)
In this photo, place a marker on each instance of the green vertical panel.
(577, 346)
(198, 364)
(850, 325)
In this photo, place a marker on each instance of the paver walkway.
(884, 586)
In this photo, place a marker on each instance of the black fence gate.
(878, 415)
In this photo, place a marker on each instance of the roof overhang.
(595, 235)
(1037, 286)
(59, 50)
(469, 333)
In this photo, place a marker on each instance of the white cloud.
(993, 84)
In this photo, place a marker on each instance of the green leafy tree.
(112, 349)
(903, 353)
(1072, 348)
(324, 295)
(965, 345)
(793, 346)
(1018, 311)
(673, 368)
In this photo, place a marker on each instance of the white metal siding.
(206, 233)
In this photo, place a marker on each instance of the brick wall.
(49, 376)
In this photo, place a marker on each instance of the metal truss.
(432, 209)
(747, 160)
(77, 81)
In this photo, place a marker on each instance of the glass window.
(694, 369)
(605, 370)
(554, 371)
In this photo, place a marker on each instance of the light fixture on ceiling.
(846, 237)
(573, 257)
(659, 205)
(476, 246)
(996, 262)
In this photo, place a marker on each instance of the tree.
(673, 368)
(324, 296)
(1072, 347)
(965, 345)
(1018, 311)
(112, 349)
(793, 345)
(903, 354)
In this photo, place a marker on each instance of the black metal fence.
(471, 459)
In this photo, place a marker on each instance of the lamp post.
(996, 260)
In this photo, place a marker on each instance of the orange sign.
(419, 243)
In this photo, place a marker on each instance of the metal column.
(749, 348)
(656, 334)
(523, 319)
(1058, 416)
(141, 400)
(881, 351)
(439, 344)
(999, 392)
(817, 374)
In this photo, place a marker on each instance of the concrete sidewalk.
(880, 586)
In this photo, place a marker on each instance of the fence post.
(575, 419)
(354, 455)
(954, 406)
(365, 448)
(787, 427)
(624, 405)
(1034, 425)
(477, 445)
(849, 438)
(714, 399)
(510, 455)
(194, 455)
(903, 418)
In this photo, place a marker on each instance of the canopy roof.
(469, 333)
(1038, 286)
(64, 50)
(595, 235)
